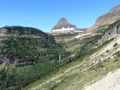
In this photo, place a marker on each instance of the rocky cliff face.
(111, 30)
(106, 19)
(63, 23)
(3, 31)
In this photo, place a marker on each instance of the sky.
(44, 14)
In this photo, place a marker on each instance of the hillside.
(110, 82)
(106, 19)
(26, 55)
(97, 55)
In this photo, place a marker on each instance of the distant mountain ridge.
(106, 19)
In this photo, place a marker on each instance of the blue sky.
(44, 14)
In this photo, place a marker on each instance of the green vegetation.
(32, 50)
(94, 73)
(115, 44)
(70, 63)
(86, 47)
(78, 80)
(79, 45)
(107, 51)
(72, 46)
(101, 29)
(32, 54)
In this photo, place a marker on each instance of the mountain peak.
(63, 23)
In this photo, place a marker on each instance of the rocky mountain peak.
(63, 23)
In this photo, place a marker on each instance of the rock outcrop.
(111, 30)
(106, 19)
(3, 31)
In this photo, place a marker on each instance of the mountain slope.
(73, 76)
(26, 55)
(93, 62)
(110, 82)
(106, 19)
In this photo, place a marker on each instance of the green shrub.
(115, 44)
(107, 51)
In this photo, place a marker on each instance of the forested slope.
(26, 55)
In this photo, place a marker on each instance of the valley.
(66, 58)
(85, 68)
